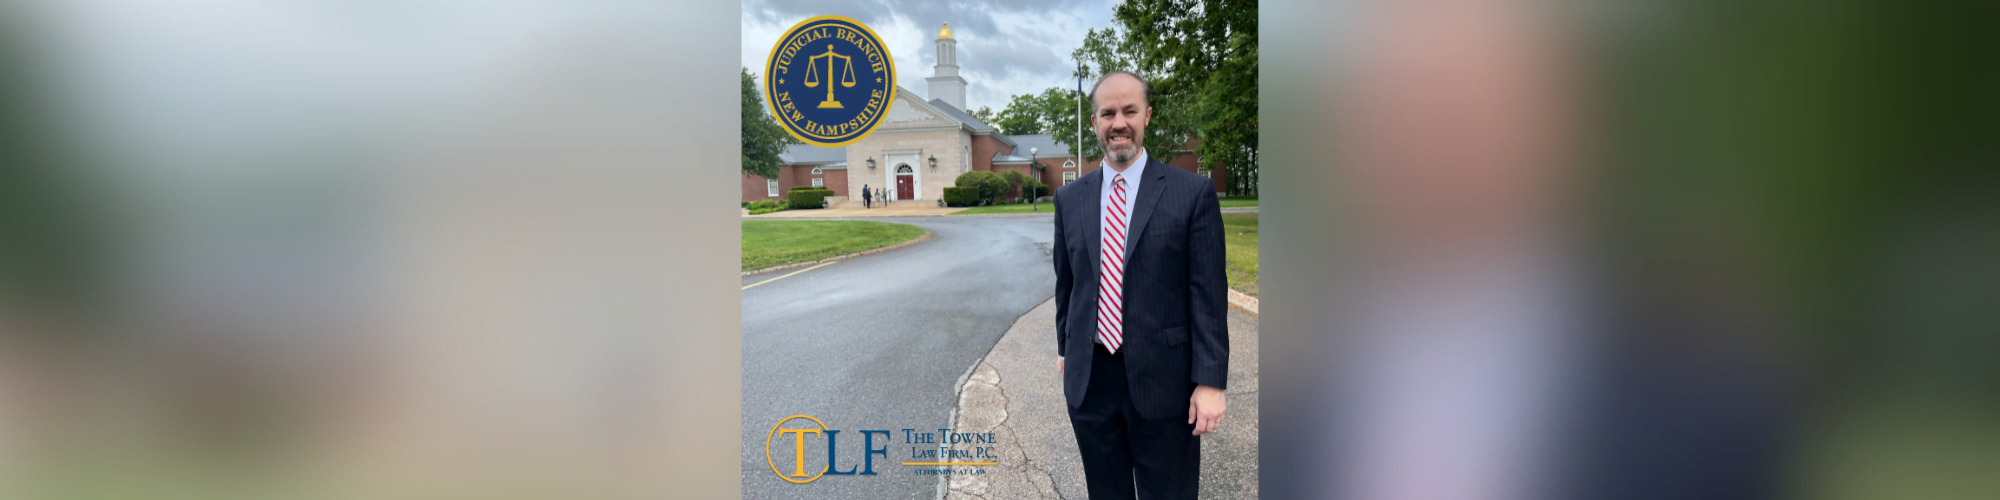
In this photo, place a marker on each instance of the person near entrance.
(1140, 308)
(866, 200)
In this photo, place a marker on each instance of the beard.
(1124, 153)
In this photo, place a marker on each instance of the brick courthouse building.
(922, 145)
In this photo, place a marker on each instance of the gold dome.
(946, 32)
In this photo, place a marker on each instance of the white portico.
(922, 145)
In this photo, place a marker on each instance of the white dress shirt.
(1133, 175)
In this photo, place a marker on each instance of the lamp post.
(1079, 112)
(1034, 161)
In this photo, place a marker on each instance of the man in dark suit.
(867, 199)
(1140, 308)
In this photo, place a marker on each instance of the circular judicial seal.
(829, 81)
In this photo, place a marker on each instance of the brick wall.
(983, 149)
(836, 180)
(794, 175)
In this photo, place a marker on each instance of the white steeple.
(945, 84)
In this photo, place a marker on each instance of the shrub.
(1036, 188)
(808, 198)
(961, 196)
(989, 184)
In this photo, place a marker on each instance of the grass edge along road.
(1239, 236)
(1046, 207)
(772, 243)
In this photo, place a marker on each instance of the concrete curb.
(919, 239)
(1243, 301)
(958, 394)
(1012, 392)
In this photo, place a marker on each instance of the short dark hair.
(1145, 88)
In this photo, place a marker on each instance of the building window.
(1068, 177)
(815, 170)
(819, 183)
(1069, 163)
(770, 187)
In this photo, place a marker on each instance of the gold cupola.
(946, 32)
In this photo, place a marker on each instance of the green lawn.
(776, 243)
(1240, 236)
(1233, 201)
(1047, 208)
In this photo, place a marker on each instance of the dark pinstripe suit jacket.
(1176, 298)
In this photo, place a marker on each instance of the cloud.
(1004, 47)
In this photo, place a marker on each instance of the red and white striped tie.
(1111, 275)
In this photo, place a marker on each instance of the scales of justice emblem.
(831, 97)
(846, 75)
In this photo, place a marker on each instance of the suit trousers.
(1119, 446)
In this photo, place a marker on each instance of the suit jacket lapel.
(1093, 207)
(1142, 207)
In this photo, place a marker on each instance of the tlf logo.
(798, 435)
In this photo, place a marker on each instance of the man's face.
(1121, 117)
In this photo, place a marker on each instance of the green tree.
(1173, 120)
(1201, 59)
(1064, 112)
(1055, 112)
(763, 139)
(984, 114)
(1202, 56)
(1023, 115)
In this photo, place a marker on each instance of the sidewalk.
(1016, 393)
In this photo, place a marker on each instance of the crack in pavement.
(1026, 410)
(987, 378)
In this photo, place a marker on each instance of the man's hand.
(1059, 365)
(1205, 409)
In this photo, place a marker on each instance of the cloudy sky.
(1004, 47)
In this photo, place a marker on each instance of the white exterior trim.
(915, 162)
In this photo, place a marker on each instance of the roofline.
(995, 133)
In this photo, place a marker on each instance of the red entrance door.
(906, 183)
